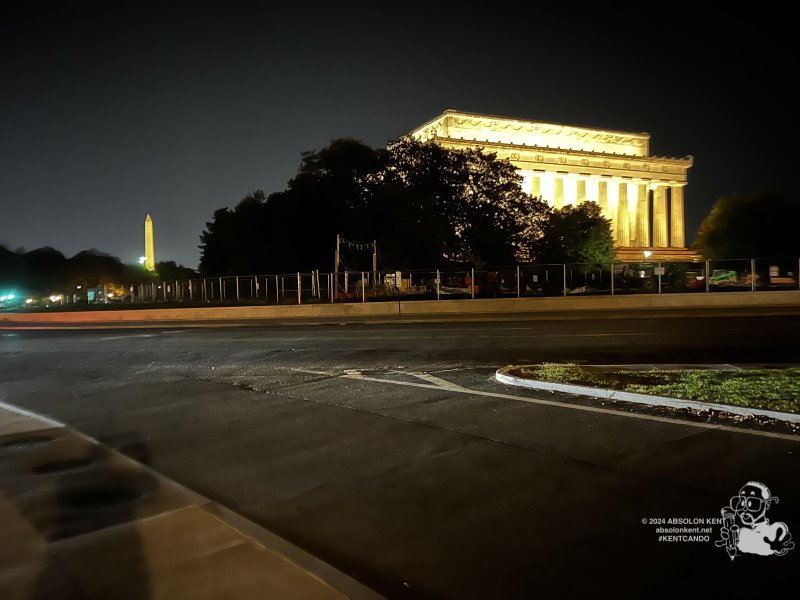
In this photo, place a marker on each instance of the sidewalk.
(80, 520)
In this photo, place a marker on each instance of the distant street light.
(142, 260)
(647, 254)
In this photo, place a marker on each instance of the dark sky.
(111, 110)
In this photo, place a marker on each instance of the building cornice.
(516, 122)
(578, 161)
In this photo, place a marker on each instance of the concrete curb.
(581, 390)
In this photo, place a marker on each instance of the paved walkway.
(79, 520)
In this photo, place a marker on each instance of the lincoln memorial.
(641, 195)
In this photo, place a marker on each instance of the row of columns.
(625, 202)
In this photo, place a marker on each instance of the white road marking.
(437, 381)
(125, 337)
(312, 372)
(355, 374)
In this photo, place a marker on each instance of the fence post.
(659, 277)
(299, 288)
(708, 274)
(363, 288)
(518, 286)
(190, 291)
(565, 279)
(472, 283)
(612, 278)
(221, 291)
(237, 288)
(277, 291)
(752, 274)
(438, 285)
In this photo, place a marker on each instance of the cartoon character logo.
(746, 529)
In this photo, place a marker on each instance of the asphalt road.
(389, 450)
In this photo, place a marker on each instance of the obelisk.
(149, 247)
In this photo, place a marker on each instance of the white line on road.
(312, 372)
(125, 337)
(437, 381)
(354, 374)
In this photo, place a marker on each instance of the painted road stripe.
(591, 409)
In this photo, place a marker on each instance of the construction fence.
(520, 281)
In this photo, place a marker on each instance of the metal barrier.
(518, 281)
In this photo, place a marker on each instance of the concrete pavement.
(87, 522)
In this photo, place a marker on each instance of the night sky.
(114, 109)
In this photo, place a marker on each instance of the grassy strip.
(771, 389)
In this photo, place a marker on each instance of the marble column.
(660, 234)
(558, 193)
(602, 196)
(581, 191)
(623, 223)
(677, 238)
(536, 186)
(642, 217)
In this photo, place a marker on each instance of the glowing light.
(142, 260)
(55, 298)
(149, 247)
(29, 301)
(647, 254)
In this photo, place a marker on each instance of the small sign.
(774, 271)
(660, 271)
(535, 278)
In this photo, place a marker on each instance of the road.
(390, 451)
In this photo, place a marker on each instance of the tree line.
(424, 205)
(46, 271)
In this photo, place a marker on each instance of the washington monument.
(149, 247)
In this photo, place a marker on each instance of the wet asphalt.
(390, 451)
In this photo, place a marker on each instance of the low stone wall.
(413, 309)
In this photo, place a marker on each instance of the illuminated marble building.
(641, 194)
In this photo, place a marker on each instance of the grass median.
(770, 389)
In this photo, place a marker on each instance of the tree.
(234, 240)
(169, 270)
(295, 229)
(575, 234)
(762, 226)
(458, 206)
(427, 206)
